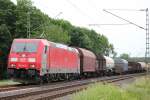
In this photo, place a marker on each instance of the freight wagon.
(134, 67)
(121, 66)
(87, 62)
(105, 65)
(143, 66)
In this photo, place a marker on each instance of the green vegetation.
(125, 56)
(139, 90)
(14, 22)
(8, 82)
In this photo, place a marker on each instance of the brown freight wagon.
(87, 62)
(134, 67)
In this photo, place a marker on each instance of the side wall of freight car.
(87, 61)
(134, 67)
(121, 66)
(101, 69)
(105, 65)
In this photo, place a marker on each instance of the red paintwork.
(23, 61)
(59, 60)
(63, 60)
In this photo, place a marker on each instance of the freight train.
(40, 60)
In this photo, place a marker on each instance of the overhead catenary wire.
(127, 9)
(80, 10)
(108, 24)
(124, 19)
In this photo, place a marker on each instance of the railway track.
(24, 86)
(48, 92)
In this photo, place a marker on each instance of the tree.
(114, 54)
(56, 34)
(125, 56)
(79, 38)
(7, 28)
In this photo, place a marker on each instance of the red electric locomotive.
(39, 59)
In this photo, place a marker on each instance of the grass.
(7, 82)
(139, 90)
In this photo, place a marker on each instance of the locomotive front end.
(23, 59)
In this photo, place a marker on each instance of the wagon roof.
(119, 60)
(87, 53)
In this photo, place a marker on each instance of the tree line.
(14, 24)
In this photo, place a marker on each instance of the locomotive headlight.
(31, 59)
(32, 66)
(14, 59)
(12, 65)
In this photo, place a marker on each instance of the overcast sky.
(125, 38)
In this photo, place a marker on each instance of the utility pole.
(28, 25)
(147, 53)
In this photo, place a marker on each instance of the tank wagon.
(121, 66)
(40, 59)
(105, 65)
(143, 66)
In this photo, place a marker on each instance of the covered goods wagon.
(87, 61)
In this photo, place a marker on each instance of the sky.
(126, 38)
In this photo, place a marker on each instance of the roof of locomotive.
(63, 46)
(44, 41)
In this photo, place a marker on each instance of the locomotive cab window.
(24, 47)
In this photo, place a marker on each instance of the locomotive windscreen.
(24, 47)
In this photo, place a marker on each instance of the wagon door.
(44, 60)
